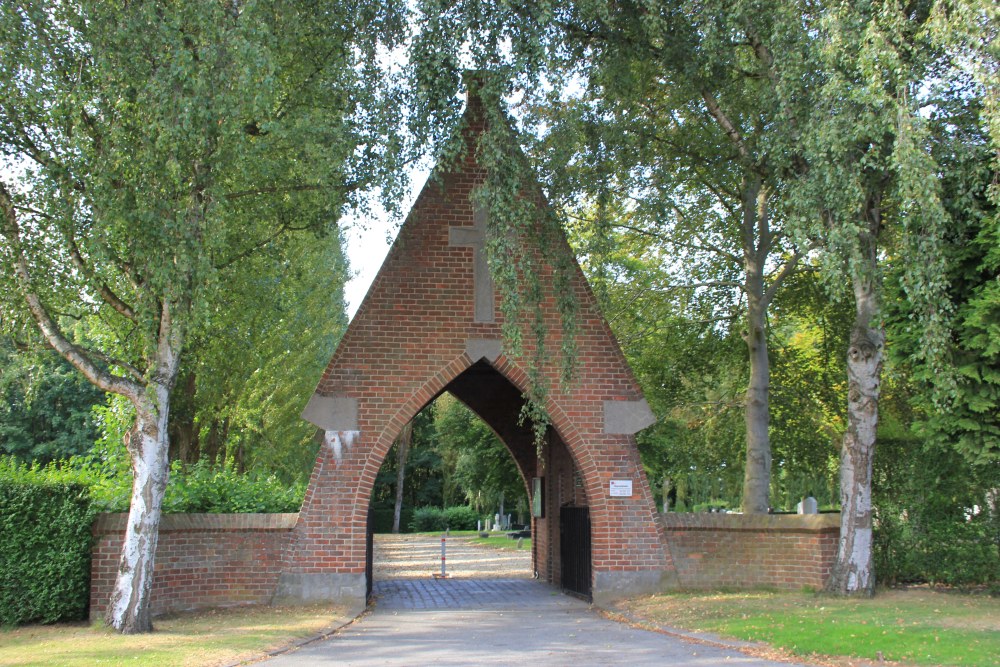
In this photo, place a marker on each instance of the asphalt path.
(468, 620)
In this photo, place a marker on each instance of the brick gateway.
(431, 323)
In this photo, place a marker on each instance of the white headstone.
(808, 506)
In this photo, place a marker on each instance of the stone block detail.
(332, 413)
(609, 587)
(627, 417)
(334, 588)
(489, 349)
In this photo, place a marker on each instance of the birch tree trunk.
(852, 570)
(129, 606)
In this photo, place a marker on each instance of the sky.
(367, 245)
(368, 242)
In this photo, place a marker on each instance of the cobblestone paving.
(465, 594)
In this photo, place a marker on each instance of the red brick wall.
(202, 560)
(752, 551)
(219, 560)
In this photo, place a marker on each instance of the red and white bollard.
(444, 571)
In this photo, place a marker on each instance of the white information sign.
(621, 488)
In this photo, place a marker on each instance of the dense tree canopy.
(174, 173)
(152, 147)
(46, 407)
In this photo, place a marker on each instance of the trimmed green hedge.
(46, 515)
(433, 519)
(383, 519)
(45, 545)
(199, 487)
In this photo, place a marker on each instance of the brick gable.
(431, 323)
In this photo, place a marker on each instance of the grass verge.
(501, 541)
(912, 627)
(216, 637)
(498, 540)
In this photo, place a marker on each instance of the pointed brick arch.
(429, 321)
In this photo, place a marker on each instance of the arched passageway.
(498, 403)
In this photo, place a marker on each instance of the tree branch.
(278, 189)
(75, 355)
(102, 288)
(707, 283)
(787, 269)
(284, 227)
(727, 125)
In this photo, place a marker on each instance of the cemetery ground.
(916, 626)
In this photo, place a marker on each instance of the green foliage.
(200, 487)
(204, 487)
(969, 417)
(45, 544)
(46, 407)
(274, 323)
(461, 517)
(483, 466)
(936, 516)
(427, 519)
(384, 516)
(432, 519)
(425, 480)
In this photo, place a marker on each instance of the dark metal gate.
(574, 547)
(369, 553)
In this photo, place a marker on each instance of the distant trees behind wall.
(454, 460)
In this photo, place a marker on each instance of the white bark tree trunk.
(149, 447)
(128, 610)
(129, 607)
(852, 572)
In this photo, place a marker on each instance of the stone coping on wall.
(809, 523)
(116, 522)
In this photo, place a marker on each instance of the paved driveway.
(418, 620)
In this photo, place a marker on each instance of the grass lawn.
(912, 627)
(501, 541)
(202, 638)
(496, 539)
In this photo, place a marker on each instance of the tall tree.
(152, 145)
(684, 121)
(239, 395)
(872, 192)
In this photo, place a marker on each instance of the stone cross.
(475, 237)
